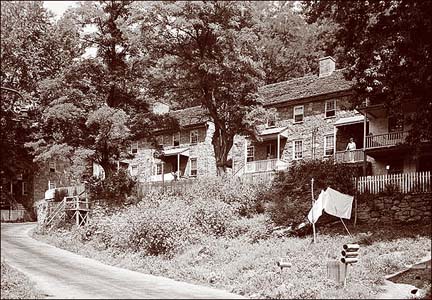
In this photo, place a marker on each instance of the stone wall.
(395, 208)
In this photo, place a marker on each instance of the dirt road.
(62, 274)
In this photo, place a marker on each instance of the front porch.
(345, 129)
(170, 165)
(265, 153)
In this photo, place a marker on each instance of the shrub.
(290, 193)
(113, 190)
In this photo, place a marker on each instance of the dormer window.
(330, 108)
(298, 113)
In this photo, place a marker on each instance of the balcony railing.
(264, 165)
(386, 139)
(349, 156)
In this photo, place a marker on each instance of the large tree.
(388, 51)
(205, 53)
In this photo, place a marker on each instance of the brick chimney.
(326, 66)
(160, 108)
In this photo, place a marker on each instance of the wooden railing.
(349, 156)
(419, 182)
(386, 139)
(262, 165)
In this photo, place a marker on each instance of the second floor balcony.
(352, 156)
(266, 165)
(385, 140)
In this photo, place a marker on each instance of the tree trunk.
(222, 143)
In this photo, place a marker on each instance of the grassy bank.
(248, 266)
(15, 285)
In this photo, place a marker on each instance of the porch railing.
(261, 165)
(386, 139)
(418, 182)
(349, 156)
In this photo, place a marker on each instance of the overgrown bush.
(113, 190)
(290, 194)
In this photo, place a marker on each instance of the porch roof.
(176, 151)
(349, 120)
(270, 133)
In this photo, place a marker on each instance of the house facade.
(186, 153)
(314, 121)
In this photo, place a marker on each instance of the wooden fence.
(419, 182)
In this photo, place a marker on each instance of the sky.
(58, 7)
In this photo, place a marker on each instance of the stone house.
(314, 121)
(187, 153)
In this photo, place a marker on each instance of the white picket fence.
(418, 182)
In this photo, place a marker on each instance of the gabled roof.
(190, 116)
(304, 87)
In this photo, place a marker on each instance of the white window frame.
(158, 166)
(294, 150)
(24, 186)
(272, 150)
(52, 165)
(193, 134)
(196, 166)
(271, 122)
(178, 138)
(252, 148)
(294, 114)
(326, 145)
(134, 148)
(330, 110)
(134, 170)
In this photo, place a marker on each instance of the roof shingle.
(304, 87)
(190, 116)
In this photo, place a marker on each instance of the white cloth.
(317, 208)
(338, 204)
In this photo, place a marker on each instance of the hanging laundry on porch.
(332, 202)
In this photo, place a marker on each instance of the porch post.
(278, 147)
(364, 144)
(245, 152)
(178, 165)
(334, 142)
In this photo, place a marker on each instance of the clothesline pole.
(345, 227)
(313, 224)
(355, 203)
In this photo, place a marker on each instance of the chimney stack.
(326, 66)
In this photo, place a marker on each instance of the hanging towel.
(338, 204)
(317, 208)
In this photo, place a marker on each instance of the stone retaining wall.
(397, 208)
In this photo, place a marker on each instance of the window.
(52, 166)
(330, 108)
(176, 139)
(395, 124)
(193, 167)
(159, 141)
(158, 170)
(51, 185)
(250, 153)
(134, 170)
(328, 145)
(271, 122)
(134, 148)
(194, 137)
(298, 114)
(298, 149)
(24, 188)
(271, 151)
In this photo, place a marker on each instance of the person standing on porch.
(351, 147)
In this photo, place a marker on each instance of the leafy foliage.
(290, 193)
(112, 191)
